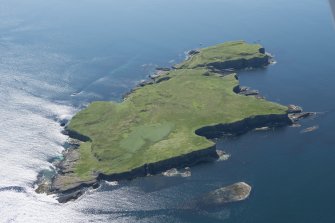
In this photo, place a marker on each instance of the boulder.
(310, 129)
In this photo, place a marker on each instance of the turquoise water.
(57, 56)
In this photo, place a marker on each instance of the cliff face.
(241, 63)
(75, 135)
(190, 159)
(70, 191)
(245, 125)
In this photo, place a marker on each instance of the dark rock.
(96, 185)
(191, 159)
(297, 116)
(145, 82)
(237, 89)
(224, 72)
(163, 69)
(193, 52)
(262, 50)
(63, 198)
(63, 122)
(256, 62)
(249, 92)
(166, 78)
(75, 135)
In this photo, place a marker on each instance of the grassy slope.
(158, 121)
(232, 51)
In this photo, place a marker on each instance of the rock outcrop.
(232, 193)
(219, 197)
(294, 109)
(241, 63)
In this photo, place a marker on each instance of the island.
(168, 121)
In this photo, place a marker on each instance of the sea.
(57, 56)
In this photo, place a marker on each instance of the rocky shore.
(69, 187)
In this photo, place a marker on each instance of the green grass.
(158, 121)
(228, 51)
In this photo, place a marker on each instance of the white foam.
(29, 137)
(112, 183)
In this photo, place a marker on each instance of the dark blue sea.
(57, 56)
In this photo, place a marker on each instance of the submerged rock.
(265, 128)
(232, 193)
(310, 129)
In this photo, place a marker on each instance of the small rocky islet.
(225, 195)
(170, 121)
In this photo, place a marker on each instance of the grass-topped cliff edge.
(158, 121)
